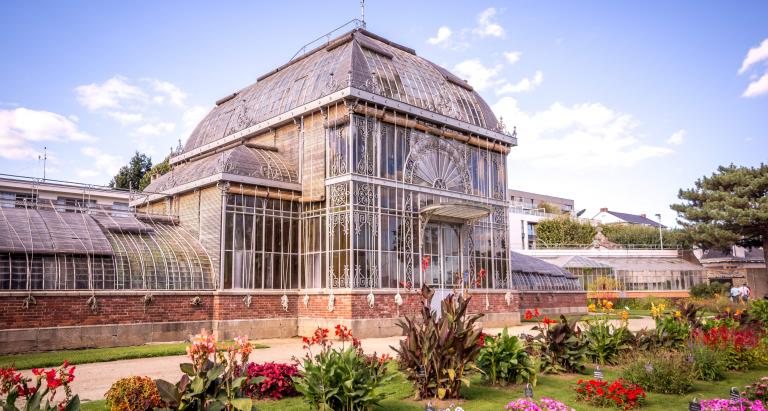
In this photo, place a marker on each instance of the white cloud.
(757, 87)
(193, 115)
(523, 85)
(479, 76)
(168, 90)
(156, 129)
(101, 163)
(21, 126)
(125, 118)
(512, 56)
(442, 37)
(486, 24)
(581, 136)
(755, 55)
(113, 93)
(677, 138)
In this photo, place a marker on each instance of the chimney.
(642, 215)
(604, 210)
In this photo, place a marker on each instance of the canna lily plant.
(439, 351)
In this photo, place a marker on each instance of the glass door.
(442, 246)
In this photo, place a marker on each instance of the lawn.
(479, 397)
(55, 358)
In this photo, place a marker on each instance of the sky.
(616, 104)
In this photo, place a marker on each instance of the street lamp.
(661, 237)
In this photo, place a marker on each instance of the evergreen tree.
(157, 170)
(728, 208)
(130, 175)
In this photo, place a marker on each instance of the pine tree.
(129, 176)
(728, 208)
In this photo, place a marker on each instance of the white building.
(15, 191)
(606, 216)
(525, 211)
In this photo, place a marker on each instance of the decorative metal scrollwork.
(427, 163)
(332, 85)
(331, 302)
(398, 299)
(365, 138)
(306, 300)
(339, 194)
(363, 219)
(371, 299)
(500, 279)
(366, 278)
(499, 215)
(341, 280)
(372, 85)
(365, 194)
(271, 172)
(284, 302)
(338, 165)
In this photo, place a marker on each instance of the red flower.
(528, 315)
(536, 312)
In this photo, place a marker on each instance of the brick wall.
(545, 300)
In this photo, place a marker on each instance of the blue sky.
(617, 104)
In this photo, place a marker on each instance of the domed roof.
(359, 59)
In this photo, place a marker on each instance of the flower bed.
(544, 404)
(618, 394)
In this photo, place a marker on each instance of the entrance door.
(442, 245)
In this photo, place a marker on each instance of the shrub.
(212, 380)
(671, 332)
(758, 390)
(742, 404)
(437, 352)
(741, 345)
(340, 378)
(758, 309)
(277, 382)
(605, 341)
(563, 230)
(666, 372)
(708, 364)
(503, 360)
(16, 389)
(544, 404)
(133, 394)
(618, 394)
(560, 346)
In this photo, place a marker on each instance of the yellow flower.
(737, 313)
(624, 315)
(609, 305)
(591, 307)
(662, 307)
(677, 314)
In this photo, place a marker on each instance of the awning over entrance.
(460, 211)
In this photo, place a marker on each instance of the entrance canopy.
(461, 211)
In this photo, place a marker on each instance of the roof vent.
(227, 98)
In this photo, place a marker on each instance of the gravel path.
(93, 380)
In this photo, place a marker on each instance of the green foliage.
(666, 372)
(130, 175)
(342, 379)
(503, 360)
(558, 231)
(708, 364)
(704, 290)
(17, 389)
(437, 352)
(644, 303)
(156, 170)
(670, 333)
(133, 394)
(213, 380)
(549, 208)
(642, 235)
(606, 340)
(729, 207)
(758, 310)
(560, 347)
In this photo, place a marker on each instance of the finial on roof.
(362, 12)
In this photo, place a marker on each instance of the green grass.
(479, 397)
(55, 358)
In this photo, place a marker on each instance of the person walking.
(735, 293)
(746, 293)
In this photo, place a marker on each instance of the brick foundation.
(64, 320)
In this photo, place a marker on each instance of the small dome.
(360, 59)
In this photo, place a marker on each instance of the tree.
(157, 170)
(728, 208)
(130, 175)
(562, 231)
(549, 208)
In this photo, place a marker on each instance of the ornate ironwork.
(339, 194)
(365, 137)
(362, 219)
(366, 277)
(499, 215)
(426, 164)
(365, 194)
